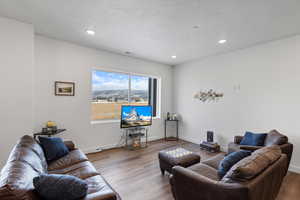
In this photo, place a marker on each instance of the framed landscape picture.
(64, 88)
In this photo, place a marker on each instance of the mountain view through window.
(111, 90)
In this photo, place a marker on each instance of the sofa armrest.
(107, 195)
(238, 139)
(288, 150)
(70, 145)
(250, 148)
(187, 184)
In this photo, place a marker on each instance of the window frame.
(158, 97)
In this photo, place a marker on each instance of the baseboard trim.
(294, 169)
(112, 146)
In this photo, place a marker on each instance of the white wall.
(269, 95)
(268, 76)
(61, 61)
(16, 77)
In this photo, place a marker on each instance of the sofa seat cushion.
(206, 171)
(81, 170)
(70, 168)
(275, 138)
(99, 189)
(214, 162)
(232, 147)
(73, 157)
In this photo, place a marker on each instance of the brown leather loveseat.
(27, 161)
(273, 138)
(201, 181)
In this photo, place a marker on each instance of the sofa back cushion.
(16, 181)
(25, 162)
(29, 151)
(251, 166)
(271, 153)
(275, 138)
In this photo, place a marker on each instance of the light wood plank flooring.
(135, 175)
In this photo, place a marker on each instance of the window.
(111, 90)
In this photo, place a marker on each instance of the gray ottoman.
(176, 156)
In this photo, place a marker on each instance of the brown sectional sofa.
(273, 138)
(27, 160)
(201, 181)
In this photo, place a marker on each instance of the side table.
(171, 120)
(209, 146)
(49, 134)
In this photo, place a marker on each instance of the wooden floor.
(135, 175)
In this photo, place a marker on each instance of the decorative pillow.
(63, 187)
(231, 160)
(253, 139)
(53, 147)
(253, 165)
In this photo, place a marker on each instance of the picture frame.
(62, 88)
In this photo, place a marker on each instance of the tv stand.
(135, 135)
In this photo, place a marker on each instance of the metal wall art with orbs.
(208, 96)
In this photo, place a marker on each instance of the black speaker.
(210, 136)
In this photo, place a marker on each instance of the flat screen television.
(136, 115)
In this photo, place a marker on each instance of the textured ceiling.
(157, 29)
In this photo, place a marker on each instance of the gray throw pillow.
(62, 187)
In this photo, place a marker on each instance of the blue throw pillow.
(231, 160)
(253, 139)
(62, 187)
(54, 148)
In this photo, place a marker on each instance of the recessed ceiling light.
(222, 41)
(174, 57)
(196, 27)
(90, 32)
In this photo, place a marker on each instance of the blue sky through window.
(109, 81)
(139, 83)
(117, 81)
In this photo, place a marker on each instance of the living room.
(205, 68)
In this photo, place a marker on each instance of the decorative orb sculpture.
(210, 95)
